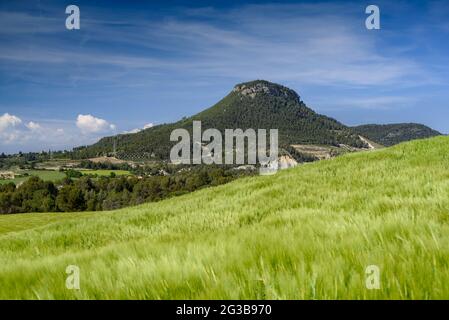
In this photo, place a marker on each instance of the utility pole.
(114, 147)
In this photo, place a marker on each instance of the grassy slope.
(304, 233)
(19, 222)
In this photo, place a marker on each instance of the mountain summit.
(257, 104)
(253, 88)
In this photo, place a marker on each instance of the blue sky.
(137, 63)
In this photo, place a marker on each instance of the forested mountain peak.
(256, 104)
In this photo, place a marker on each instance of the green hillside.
(391, 134)
(257, 104)
(304, 233)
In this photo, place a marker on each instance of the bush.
(73, 174)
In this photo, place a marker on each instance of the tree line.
(107, 193)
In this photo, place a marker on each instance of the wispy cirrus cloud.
(370, 103)
(303, 43)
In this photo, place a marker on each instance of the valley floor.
(305, 233)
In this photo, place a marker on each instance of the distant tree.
(70, 198)
(36, 195)
(73, 174)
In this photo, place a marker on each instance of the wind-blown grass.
(304, 233)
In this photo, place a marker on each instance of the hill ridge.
(394, 133)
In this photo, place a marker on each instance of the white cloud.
(147, 126)
(33, 126)
(132, 131)
(90, 124)
(42, 135)
(8, 121)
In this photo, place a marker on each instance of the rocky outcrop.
(252, 89)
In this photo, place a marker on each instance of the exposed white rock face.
(283, 162)
(286, 162)
(252, 91)
(264, 87)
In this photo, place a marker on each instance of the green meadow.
(105, 173)
(303, 233)
(46, 175)
(55, 175)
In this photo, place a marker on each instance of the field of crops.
(304, 233)
(47, 175)
(55, 175)
(105, 173)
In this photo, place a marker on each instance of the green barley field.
(304, 233)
